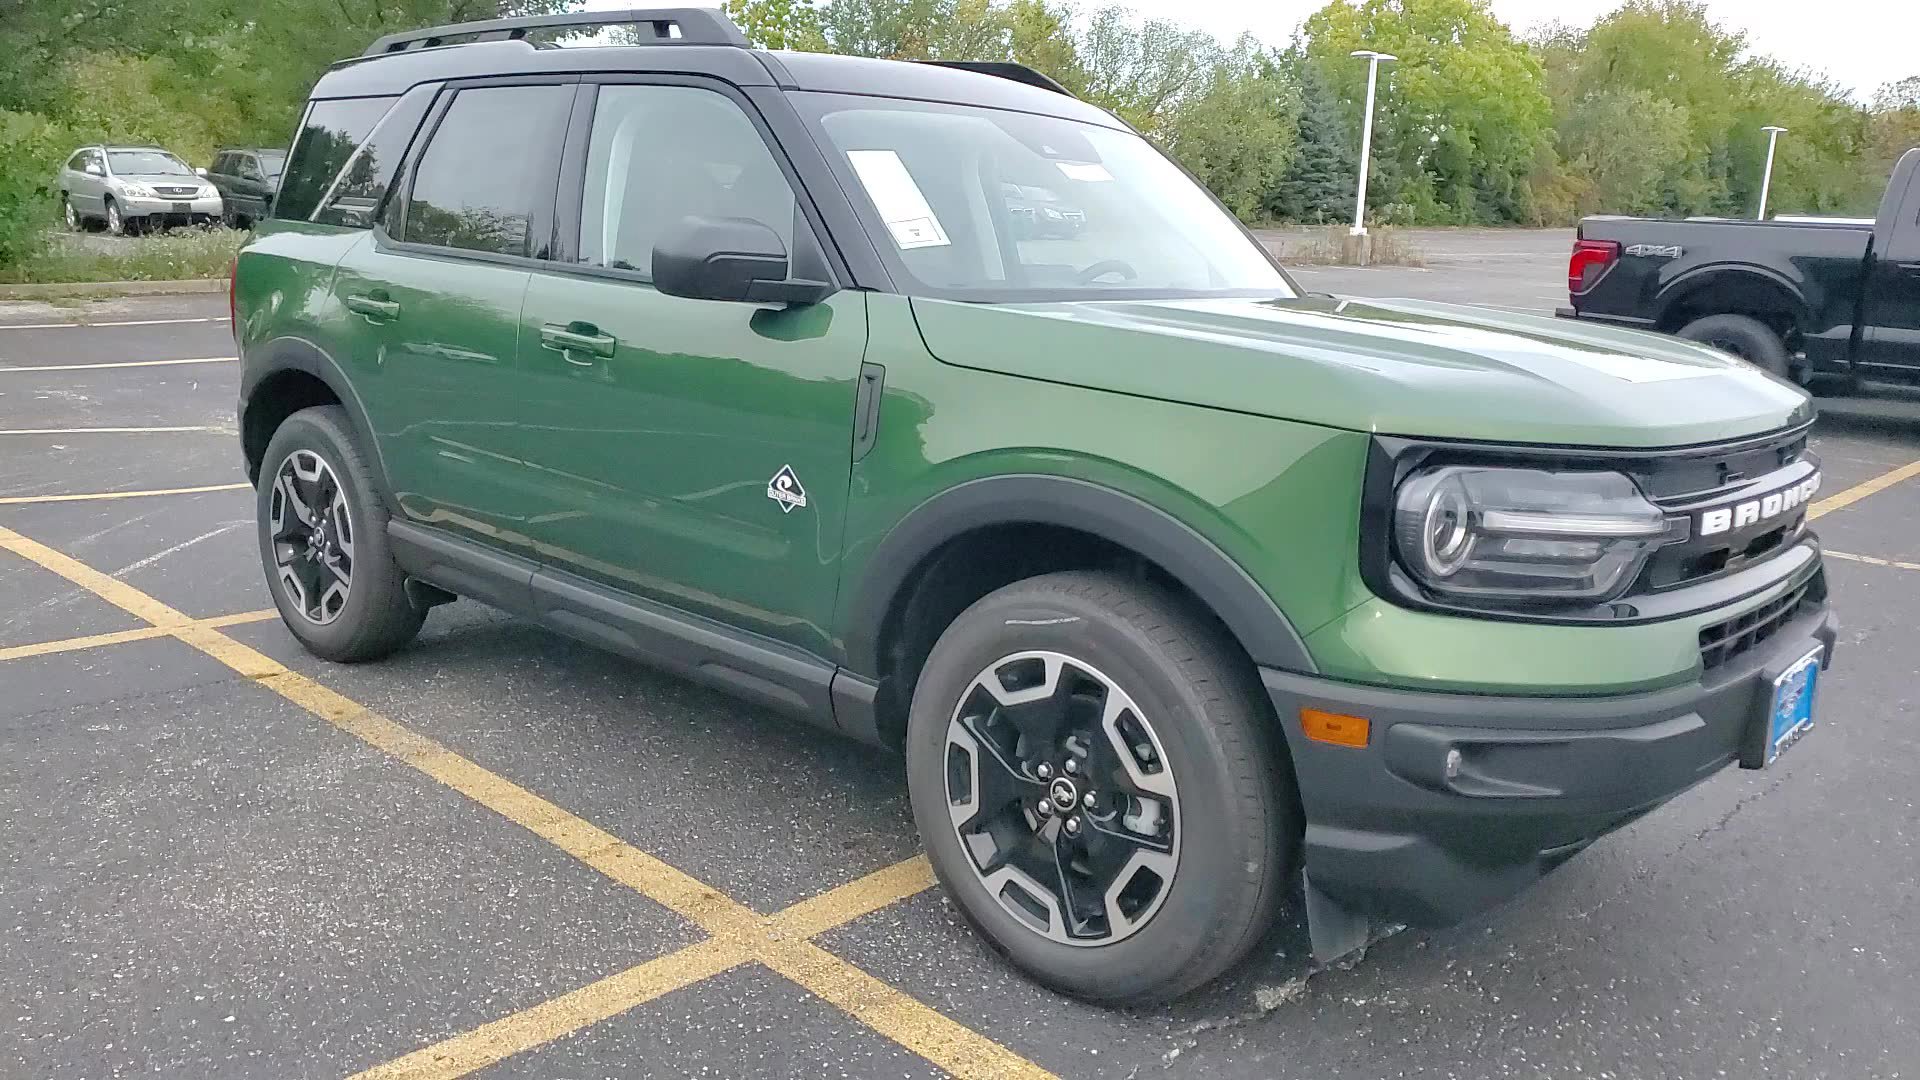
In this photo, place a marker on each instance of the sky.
(1859, 43)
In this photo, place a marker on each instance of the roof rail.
(677, 26)
(1004, 69)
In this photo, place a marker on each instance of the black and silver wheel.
(324, 545)
(1061, 796)
(69, 214)
(1101, 785)
(312, 536)
(116, 224)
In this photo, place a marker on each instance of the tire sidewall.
(320, 430)
(1213, 849)
(1754, 341)
(116, 219)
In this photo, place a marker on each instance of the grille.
(1723, 641)
(175, 190)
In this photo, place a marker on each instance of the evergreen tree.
(1317, 186)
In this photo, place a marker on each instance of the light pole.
(1766, 178)
(1366, 137)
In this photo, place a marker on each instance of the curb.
(113, 288)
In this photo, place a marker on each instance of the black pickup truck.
(1799, 298)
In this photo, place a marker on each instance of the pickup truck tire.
(323, 542)
(1745, 337)
(1099, 666)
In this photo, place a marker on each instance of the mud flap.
(1333, 930)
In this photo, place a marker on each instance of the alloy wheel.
(312, 536)
(73, 219)
(1063, 798)
(116, 224)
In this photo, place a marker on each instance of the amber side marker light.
(1334, 728)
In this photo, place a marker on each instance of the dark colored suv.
(246, 179)
(1166, 577)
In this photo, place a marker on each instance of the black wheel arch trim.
(284, 354)
(1676, 292)
(1259, 625)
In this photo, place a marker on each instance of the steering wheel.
(1103, 268)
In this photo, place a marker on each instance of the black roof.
(395, 72)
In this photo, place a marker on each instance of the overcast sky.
(1860, 43)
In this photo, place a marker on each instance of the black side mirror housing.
(737, 259)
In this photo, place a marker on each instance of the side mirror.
(711, 258)
(95, 170)
(201, 173)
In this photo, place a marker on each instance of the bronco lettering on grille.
(1753, 511)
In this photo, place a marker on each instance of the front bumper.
(1391, 837)
(197, 209)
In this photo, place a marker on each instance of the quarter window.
(661, 154)
(488, 164)
(333, 130)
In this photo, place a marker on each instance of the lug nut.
(1072, 765)
(1044, 808)
(1045, 771)
(1089, 800)
(1073, 826)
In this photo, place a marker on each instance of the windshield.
(987, 204)
(146, 163)
(272, 162)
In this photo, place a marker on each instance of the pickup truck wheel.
(1745, 337)
(323, 542)
(1096, 778)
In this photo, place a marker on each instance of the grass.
(178, 255)
(1324, 247)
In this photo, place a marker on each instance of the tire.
(1745, 337)
(74, 222)
(1198, 717)
(366, 614)
(116, 223)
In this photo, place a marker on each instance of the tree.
(1318, 184)
(777, 24)
(1619, 175)
(1236, 132)
(1143, 70)
(1463, 113)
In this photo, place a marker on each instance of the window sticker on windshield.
(902, 207)
(1091, 172)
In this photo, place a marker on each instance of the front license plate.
(183, 208)
(1790, 713)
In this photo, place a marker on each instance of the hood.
(1397, 367)
(164, 179)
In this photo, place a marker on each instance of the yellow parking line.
(22, 500)
(1860, 491)
(732, 927)
(121, 637)
(122, 363)
(1871, 561)
(840, 906)
(105, 430)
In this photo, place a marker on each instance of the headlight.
(1524, 535)
(206, 193)
(138, 191)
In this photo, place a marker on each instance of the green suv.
(1167, 578)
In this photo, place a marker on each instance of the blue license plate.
(1791, 714)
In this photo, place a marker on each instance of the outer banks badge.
(785, 489)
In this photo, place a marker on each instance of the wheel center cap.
(1063, 793)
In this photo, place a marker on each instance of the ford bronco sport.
(1167, 578)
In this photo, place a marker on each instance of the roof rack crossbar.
(1004, 69)
(674, 26)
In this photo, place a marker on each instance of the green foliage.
(1236, 131)
(1637, 175)
(174, 256)
(1318, 186)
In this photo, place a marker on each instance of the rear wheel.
(1745, 337)
(1099, 787)
(323, 541)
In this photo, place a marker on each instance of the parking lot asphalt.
(500, 853)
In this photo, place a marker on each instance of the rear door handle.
(376, 308)
(577, 337)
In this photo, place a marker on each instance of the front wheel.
(1745, 337)
(116, 224)
(323, 541)
(1100, 787)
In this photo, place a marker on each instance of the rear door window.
(489, 166)
(332, 131)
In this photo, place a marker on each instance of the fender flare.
(1708, 277)
(284, 354)
(1190, 558)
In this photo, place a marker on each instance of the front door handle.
(577, 337)
(376, 307)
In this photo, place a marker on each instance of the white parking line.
(99, 430)
(122, 363)
(90, 325)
